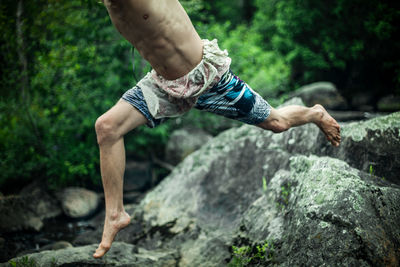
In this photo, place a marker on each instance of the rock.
(183, 142)
(78, 202)
(371, 146)
(216, 199)
(138, 176)
(289, 199)
(120, 254)
(324, 93)
(27, 210)
(56, 246)
(323, 212)
(346, 116)
(132, 197)
(389, 103)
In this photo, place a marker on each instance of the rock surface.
(251, 196)
(27, 210)
(138, 176)
(121, 254)
(183, 142)
(78, 202)
(324, 93)
(372, 146)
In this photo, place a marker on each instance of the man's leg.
(234, 99)
(284, 118)
(110, 129)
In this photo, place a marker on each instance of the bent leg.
(110, 129)
(284, 118)
(233, 98)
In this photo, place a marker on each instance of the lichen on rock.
(313, 203)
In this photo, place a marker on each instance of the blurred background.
(63, 64)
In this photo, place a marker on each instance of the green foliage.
(350, 43)
(264, 70)
(78, 66)
(258, 254)
(264, 182)
(283, 199)
(371, 170)
(23, 262)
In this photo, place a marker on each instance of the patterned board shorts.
(230, 97)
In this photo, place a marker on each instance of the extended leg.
(110, 129)
(284, 118)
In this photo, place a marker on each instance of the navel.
(145, 16)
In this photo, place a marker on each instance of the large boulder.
(183, 142)
(250, 196)
(372, 146)
(324, 212)
(249, 188)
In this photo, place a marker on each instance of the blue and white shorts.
(230, 97)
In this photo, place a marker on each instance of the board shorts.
(211, 86)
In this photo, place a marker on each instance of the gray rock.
(56, 246)
(53, 246)
(324, 93)
(183, 142)
(323, 212)
(120, 254)
(281, 199)
(78, 202)
(372, 146)
(346, 116)
(27, 210)
(215, 199)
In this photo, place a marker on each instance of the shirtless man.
(187, 72)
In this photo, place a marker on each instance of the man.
(187, 72)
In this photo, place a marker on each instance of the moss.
(300, 164)
(258, 254)
(322, 187)
(319, 199)
(358, 130)
(324, 224)
(23, 262)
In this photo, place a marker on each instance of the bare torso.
(162, 33)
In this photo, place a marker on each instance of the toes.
(100, 251)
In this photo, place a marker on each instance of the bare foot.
(328, 125)
(112, 225)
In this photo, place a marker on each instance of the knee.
(106, 131)
(275, 125)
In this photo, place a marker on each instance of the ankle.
(317, 113)
(115, 215)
